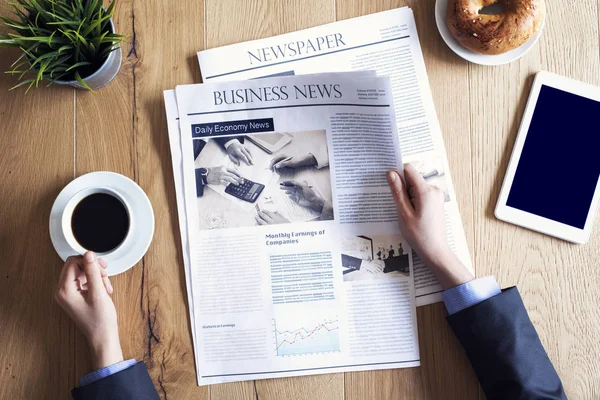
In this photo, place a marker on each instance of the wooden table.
(52, 135)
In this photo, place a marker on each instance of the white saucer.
(440, 18)
(141, 228)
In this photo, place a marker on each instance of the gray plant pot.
(104, 74)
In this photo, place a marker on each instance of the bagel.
(497, 33)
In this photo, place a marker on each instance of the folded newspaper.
(314, 277)
(293, 258)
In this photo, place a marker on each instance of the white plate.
(440, 18)
(141, 227)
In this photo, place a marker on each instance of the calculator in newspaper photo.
(246, 191)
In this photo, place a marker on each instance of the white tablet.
(552, 184)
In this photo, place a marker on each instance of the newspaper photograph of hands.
(262, 179)
(367, 257)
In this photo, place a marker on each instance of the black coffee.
(100, 222)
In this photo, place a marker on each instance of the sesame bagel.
(497, 33)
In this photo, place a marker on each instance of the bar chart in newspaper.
(305, 336)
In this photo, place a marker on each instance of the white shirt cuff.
(229, 143)
(469, 294)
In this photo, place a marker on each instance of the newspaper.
(172, 113)
(388, 43)
(272, 296)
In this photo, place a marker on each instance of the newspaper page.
(172, 114)
(388, 43)
(314, 277)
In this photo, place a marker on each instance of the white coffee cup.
(67, 216)
(136, 203)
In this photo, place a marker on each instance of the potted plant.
(69, 42)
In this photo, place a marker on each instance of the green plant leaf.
(79, 5)
(16, 67)
(40, 75)
(50, 39)
(95, 25)
(90, 7)
(109, 50)
(64, 48)
(67, 34)
(8, 43)
(99, 40)
(22, 4)
(82, 82)
(60, 64)
(40, 10)
(42, 39)
(13, 24)
(110, 11)
(23, 54)
(44, 57)
(56, 79)
(19, 14)
(64, 10)
(112, 39)
(22, 83)
(72, 24)
(28, 53)
(79, 64)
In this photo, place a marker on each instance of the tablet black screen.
(560, 164)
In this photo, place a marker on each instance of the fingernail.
(110, 288)
(89, 256)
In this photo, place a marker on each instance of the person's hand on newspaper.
(223, 176)
(421, 215)
(239, 153)
(83, 292)
(303, 194)
(265, 217)
(282, 162)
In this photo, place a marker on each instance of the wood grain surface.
(50, 136)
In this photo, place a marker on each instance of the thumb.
(279, 165)
(274, 162)
(399, 192)
(93, 274)
(414, 180)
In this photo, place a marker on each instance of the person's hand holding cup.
(83, 292)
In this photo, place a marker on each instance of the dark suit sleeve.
(351, 262)
(130, 384)
(505, 350)
(198, 147)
